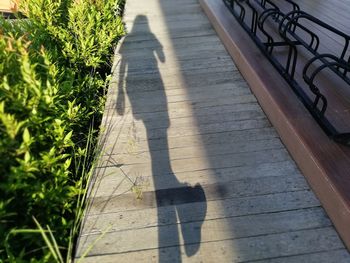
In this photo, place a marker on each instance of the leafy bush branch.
(52, 83)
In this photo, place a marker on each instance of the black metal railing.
(270, 26)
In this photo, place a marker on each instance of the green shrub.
(81, 32)
(51, 100)
(36, 140)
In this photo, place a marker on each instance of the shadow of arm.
(121, 92)
(159, 52)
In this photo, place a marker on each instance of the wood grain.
(191, 169)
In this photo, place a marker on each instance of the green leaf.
(68, 137)
(27, 157)
(67, 163)
(26, 136)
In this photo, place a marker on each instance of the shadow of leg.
(167, 236)
(191, 232)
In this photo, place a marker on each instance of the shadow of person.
(154, 115)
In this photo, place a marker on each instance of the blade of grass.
(94, 243)
(47, 241)
(55, 245)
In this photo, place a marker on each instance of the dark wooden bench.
(305, 60)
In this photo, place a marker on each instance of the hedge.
(53, 76)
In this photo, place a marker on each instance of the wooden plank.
(240, 250)
(178, 102)
(238, 137)
(192, 152)
(189, 130)
(182, 194)
(133, 46)
(179, 33)
(334, 14)
(189, 53)
(144, 67)
(162, 122)
(338, 255)
(199, 163)
(232, 207)
(180, 94)
(177, 28)
(212, 230)
(193, 81)
(185, 111)
(114, 181)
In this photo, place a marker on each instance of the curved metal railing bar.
(335, 64)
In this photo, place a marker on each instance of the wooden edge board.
(324, 163)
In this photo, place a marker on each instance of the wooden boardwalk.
(191, 169)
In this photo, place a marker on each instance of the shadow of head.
(141, 19)
(140, 41)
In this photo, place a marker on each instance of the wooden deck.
(324, 163)
(191, 169)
